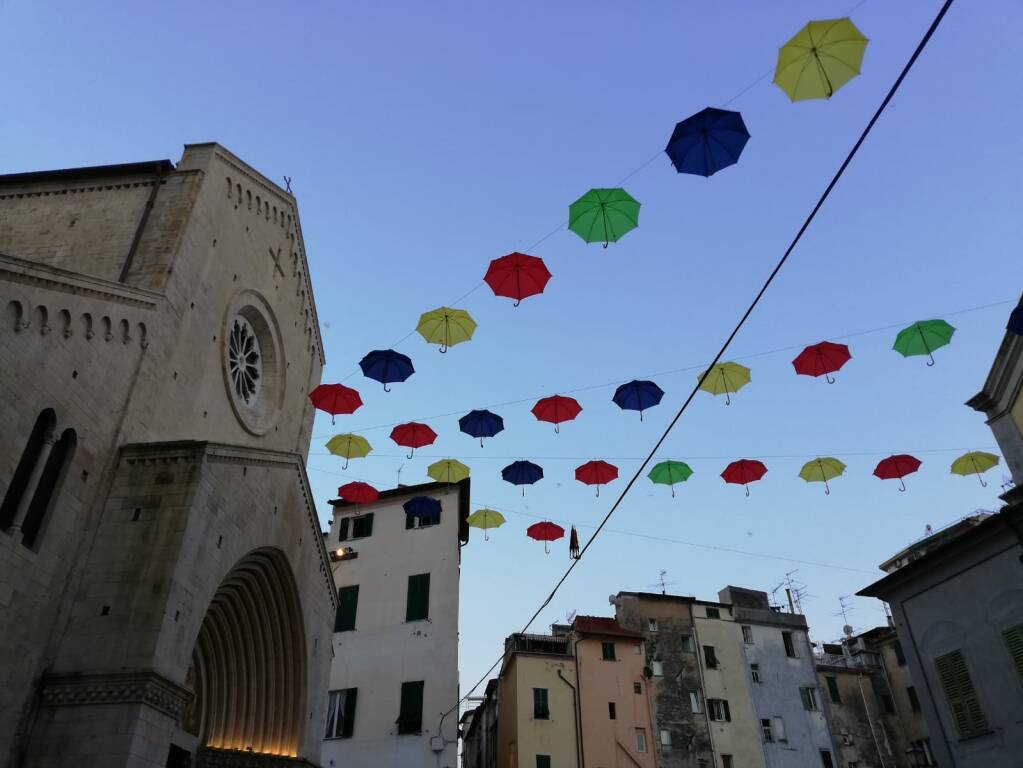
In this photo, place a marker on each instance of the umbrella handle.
(332, 417)
(557, 429)
(410, 453)
(829, 379)
(518, 301)
(386, 388)
(605, 245)
(974, 462)
(747, 489)
(728, 398)
(827, 490)
(443, 349)
(931, 361)
(485, 536)
(523, 491)
(598, 489)
(546, 547)
(641, 415)
(481, 442)
(345, 465)
(673, 491)
(902, 485)
(981, 480)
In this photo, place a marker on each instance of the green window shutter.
(348, 724)
(541, 704)
(728, 712)
(959, 692)
(347, 604)
(833, 690)
(1014, 639)
(342, 528)
(410, 716)
(417, 606)
(543, 761)
(369, 524)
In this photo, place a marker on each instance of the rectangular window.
(727, 762)
(833, 693)
(410, 715)
(657, 668)
(543, 761)
(914, 701)
(362, 526)
(347, 605)
(809, 697)
(747, 634)
(607, 651)
(341, 713)
(717, 709)
(541, 704)
(641, 740)
(900, 657)
(713, 613)
(687, 643)
(611, 713)
(959, 693)
(417, 605)
(421, 522)
(765, 728)
(826, 761)
(754, 670)
(342, 528)
(1014, 641)
(779, 730)
(694, 702)
(710, 657)
(790, 648)
(665, 737)
(637, 649)
(637, 689)
(888, 703)
(651, 624)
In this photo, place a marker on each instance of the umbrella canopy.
(446, 326)
(669, 473)
(596, 473)
(974, 463)
(922, 338)
(481, 423)
(1015, 324)
(603, 215)
(386, 366)
(637, 396)
(724, 379)
(556, 409)
(545, 532)
(822, 469)
(897, 466)
(413, 435)
(821, 359)
(349, 446)
(743, 472)
(821, 58)
(517, 276)
(522, 473)
(358, 493)
(422, 506)
(485, 519)
(448, 471)
(335, 399)
(708, 141)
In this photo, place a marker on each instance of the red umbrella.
(413, 435)
(596, 473)
(743, 472)
(897, 467)
(822, 359)
(545, 532)
(358, 493)
(335, 399)
(517, 276)
(556, 409)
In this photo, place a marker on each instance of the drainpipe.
(870, 722)
(575, 707)
(579, 704)
(126, 267)
(703, 686)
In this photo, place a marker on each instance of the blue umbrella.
(522, 473)
(481, 424)
(707, 142)
(386, 365)
(422, 506)
(638, 395)
(1016, 321)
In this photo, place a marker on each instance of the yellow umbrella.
(448, 471)
(485, 519)
(820, 470)
(350, 446)
(725, 378)
(446, 326)
(821, 58)
(974, 463)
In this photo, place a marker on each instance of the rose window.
(244, 360)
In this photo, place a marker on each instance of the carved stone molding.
(146, 688)
(208, 757)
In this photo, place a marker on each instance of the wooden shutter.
(541, 705)
(417, 606)
(349, 713)
(410, 522)
(342, 528)
(1014, 639)
(959, 692)
(347, 605)
(410, 716)
(369, 524)
(833, 690)
(728, 712)
(543, 761)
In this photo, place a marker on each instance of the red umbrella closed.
(897, 467)
(743, 472)
(358, 493)
(413, 435)
(517, 276)
(556, 409)
(822, 359)
(596, 473)
(335, 399)
(545, 532)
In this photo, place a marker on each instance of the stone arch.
(65, 323)
(124, 330)
(107, 327)
(40, 316)
(15, 318)
(229, 185)
(143, 338)
(87, 325)
(248, 665)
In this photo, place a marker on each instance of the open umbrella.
(485, 519)
(637, 395)
(349, 446)
(603, 215)
(743, 472)
(724, 379)
(821, 359)
(573, 544)
(545, 532)
(358, 493)
(335, 399)
(448, 471)
(821, 58)
(669, 473)
(708, 141)
(386, 366)
(481, 423)
(517, 276)
(820, 470)
(522, 473)
(1015, 324)
(422, 506)
(556, 409)
(897, 467)
(922, 338)
(974, 463)
(413, 435)
(446, 326)
(596, 473)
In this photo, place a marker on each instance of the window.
(637, 649)
(826, 760)
(833, 693)
(543, 761)
(779, 730)
(658, 668)
(42, 431)
(959, 693)
(341, 713)
(34, 525)
(701, 763)
(665, 735)
(410, 716)
(347, 605)
(343, 523)
(710, 657)
(914, 701)
(888, 703)
(717, 709)
(754, 670)
(727, 762)
(713, 613)
(607, 651)
(747, 634)
(765, 728)
(417, 606)
(694, 702)
(541, 704)
(900, 657)
(641, 740)
(921, 751)
(637, 689)
(1014, 640)
(651, 624)
(362, 526)
(611, 713)
(790, 648)
(809, 697)
(687, 643)
(421, 522)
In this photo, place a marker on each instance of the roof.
(415, 490)
(657, 596)
(602, 625)
(146, 168)
(938, 538)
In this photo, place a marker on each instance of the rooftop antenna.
(664, 589)
(844, 609)
(287, 185)
(398, 481)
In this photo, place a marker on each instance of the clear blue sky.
(425, 139)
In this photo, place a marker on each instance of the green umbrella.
(923, 337)
(670, 472)
(603, 215)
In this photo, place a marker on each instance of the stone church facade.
(165, 595)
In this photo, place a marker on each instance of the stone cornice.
(16, 270)
(140, 687)
(1002, 386)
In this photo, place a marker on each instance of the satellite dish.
(611, 599)
(847, 630)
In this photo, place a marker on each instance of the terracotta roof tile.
(602, 625)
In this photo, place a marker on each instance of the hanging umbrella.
(386, 366)
(522, 473)
(422, 506)
(743, 472)
(573, 544)
(335, 399)
(596, 473)
(821, 359)
(923, 337)
(669, 473)
(897, 467)
(557, 409)
(1015, 324)
(545, 532)
(358, 493)
(446, 326)
(821, 58)
(637, 396)
(708, 141)
(820, 470)
(517, 276)
(448, 471)
(974, 463)
(485, 519)
(350, 446)
(725, 378)
(413, 435)
(481, 423)
(603, 215)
